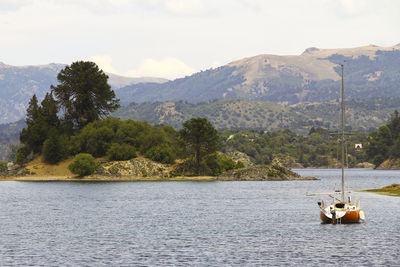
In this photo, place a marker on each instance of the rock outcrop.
(273, 172)
(138, 167)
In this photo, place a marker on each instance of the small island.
(70, 137)
(391, 190)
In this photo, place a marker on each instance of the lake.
(196, 223)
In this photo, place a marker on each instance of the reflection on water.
(196, 223)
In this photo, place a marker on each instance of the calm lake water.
(196, 223)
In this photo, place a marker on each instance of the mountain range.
(313, 76)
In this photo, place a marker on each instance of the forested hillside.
(361, 115)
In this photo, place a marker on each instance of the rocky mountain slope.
(313, 76)
(18, 84)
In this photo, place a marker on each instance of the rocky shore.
(143, 169)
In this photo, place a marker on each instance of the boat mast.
(342, 126)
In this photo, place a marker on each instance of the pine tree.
(49, 110)
(200, 139)
(36, 132)
(84, 94)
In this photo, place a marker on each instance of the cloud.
(104, 63)
(13, 5)
(169, 68)
(352, 7)
(184, 7)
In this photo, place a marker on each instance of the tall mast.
(342, 126)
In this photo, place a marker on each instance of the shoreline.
(391, 190)
(36, 178)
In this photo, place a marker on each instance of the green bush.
(215, 164)
(163, 153)
(83, 164)
(3, 166)
(121, 152)
(54, 148)
(22, 155)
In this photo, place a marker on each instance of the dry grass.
(391, 190)
(42, 169)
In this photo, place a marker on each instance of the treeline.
(320, 148)
(385, 143)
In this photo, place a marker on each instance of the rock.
(273, 172)
(138, 167)
(240, 156)
(390, 164)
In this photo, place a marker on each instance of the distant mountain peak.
(310, 50)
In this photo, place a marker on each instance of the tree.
(3, 166)
(200, 139)
(54, 148)
(36, 132)
(379, 145)
(49, 110)
(121, 152)
(83, 164)
(84, 94)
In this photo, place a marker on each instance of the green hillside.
(362, 115)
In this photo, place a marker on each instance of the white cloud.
(353, 7)
(184, 7)
(169, 68)
(104, 63)
(7, 5)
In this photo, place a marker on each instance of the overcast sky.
(174, 38)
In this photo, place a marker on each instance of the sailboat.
(341, 210)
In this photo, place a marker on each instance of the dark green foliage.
(84, 94)
(134, 136)
(40, 120)
(22, 155)
(215, 164)
(34, 135)
(83, 164)
(55, 147)
(212, 164)
(49, 110)
(385, 143)
(3, 166)
(362, 114)
(320, 149)
(121, 152)
(199, 138)
(163, 153)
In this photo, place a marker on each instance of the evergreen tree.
(49, 110)
(200, 139)
(36, 132)
(54, 148)
(84, 94)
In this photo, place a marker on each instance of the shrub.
(3, 166)
(215, 164)
(121, 152)
(22, 155)
(163, 153)
(83, 164)
(54, 148)
(239, 165)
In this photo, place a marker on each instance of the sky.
(175, 38)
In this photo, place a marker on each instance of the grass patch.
(391, 190)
